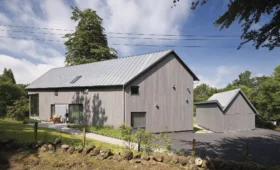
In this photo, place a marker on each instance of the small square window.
(134, 90)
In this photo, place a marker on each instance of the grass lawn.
(25, 133)
(101, 130)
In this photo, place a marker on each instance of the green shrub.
(261, 122)
(29, 120)
(166, 141)
(127, 134)
(19, 110)
(145, 140)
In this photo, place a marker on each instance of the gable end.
(195, 78)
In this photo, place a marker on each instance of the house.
(153, 91)
(226, 112)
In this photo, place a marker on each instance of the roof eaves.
(80, 87)
(28, 87)
(210, 102)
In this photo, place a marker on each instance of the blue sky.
(215, 66)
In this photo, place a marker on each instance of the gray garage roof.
(224, 99)
(104, 73)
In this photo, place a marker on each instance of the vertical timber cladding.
(239, 116)
(210, 117)
(165, 94)
(103, 106)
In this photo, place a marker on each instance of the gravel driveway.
(264, 145)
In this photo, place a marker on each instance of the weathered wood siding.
(174, 113)
(210, 117)
(239, 122)
(239, 106)
(239, 116)
(100, 106)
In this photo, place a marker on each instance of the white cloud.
(218, 77)
(4, 18)
(29, 58)
(258, 75)
(143, 16)
(24, 71)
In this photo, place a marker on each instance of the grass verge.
(25, 133)
(101, 130)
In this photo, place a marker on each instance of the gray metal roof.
(104, 73)
(224, 99)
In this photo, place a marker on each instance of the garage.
(228, 111)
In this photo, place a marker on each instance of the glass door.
(76, 113)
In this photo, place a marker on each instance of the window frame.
(81, 112)
(131, 89)
(32, 107)
(52, 110)
(132, 122)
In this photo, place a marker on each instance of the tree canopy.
(89, 42)
(249, 13)
(203, 92)
(8, 76)
(9, 91)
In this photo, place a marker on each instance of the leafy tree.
(203, 92)
(276, 73)
(4, 79)
(89, 42)
(127, 135)
(9, 93)
(19, 109)
(248, 13)
(268, 96)
(9, 75)
(244, 79)
(257, 81)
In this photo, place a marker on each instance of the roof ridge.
(146, 53)
(227, 91)
(114, 59)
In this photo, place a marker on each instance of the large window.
(34, 105)
(138, 120)
(76, 113)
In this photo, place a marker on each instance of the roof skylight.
(75, 79)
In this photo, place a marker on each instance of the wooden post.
(193, 148)
(35, 130)
(139, 147)
(84, 137)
